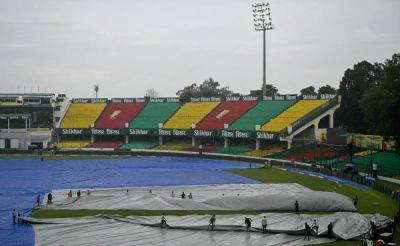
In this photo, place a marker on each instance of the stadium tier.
(204, 148)
(82, 115)
(73, 144)
(115, 115)
(233, 150)
(292, 114)
(259, 114)
(106, 144)
(139, 145)
(173, 146)
(189, 114)
(153, 114)
(275, 148)
(226, 113)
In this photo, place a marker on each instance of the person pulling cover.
(247, 221)
(264, 224)
(212, 222)
(307, 231)
(163, 221)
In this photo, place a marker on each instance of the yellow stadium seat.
(189, 114)
(292, 114)
(173, 146)
(81, 115)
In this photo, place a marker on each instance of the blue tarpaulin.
(21, 180)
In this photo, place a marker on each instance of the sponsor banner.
(280, 97)
(203, 133)
(242, 98)
(106, 131)
(165, 99)
(127, 100)
(327, 96)
(236, 134)
(268, 136)
(14, 117)
(205, 99)
(73, 131)
(174, 132)
(140, 132)
(90, 100)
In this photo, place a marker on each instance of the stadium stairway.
(82, 115)
(292, 114)
(260, 113)
(226, 113)
(153, 114)
(190, 113)
(115, 115)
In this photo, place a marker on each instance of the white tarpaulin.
(260, 197)
(283, 229)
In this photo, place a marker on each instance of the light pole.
(262, 22)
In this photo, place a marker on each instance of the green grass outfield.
(370, 201)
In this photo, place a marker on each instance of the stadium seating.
(173, 146)
(153, 114)
(115, 115)
(226, 113)
(139, 145)
(189, 114)
(106, 144)
(292, 114)
(259, 114)
(275, 148)
(233, 150)
(82, 115)
(73, 144)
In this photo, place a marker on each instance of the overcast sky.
(67, 46)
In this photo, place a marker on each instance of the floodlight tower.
(262, 22)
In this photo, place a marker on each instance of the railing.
(315, 113)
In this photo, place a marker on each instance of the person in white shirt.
(264, 224)
(315, 226)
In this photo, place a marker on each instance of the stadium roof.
(27, 94)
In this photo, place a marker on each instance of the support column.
(92, 139)
(160, 140)
(8, 124)
(226, 142)
(331, 120)
(193, 141)
(289, 143)
(315, 130)
(126, 139)
(257, 144)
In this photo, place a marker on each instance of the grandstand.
(261, 113)
(115, 115)
(153, 114)
(226, 113)
(292, 114)
(82, 115)
(190, 114)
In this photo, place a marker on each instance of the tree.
(355, 82)
(209, 88)
(308, 91)
(381, 103)
(326, 89)
(152, 93)
(271, 90)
